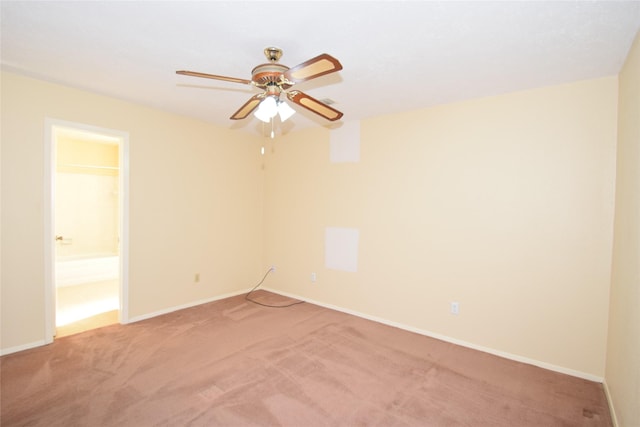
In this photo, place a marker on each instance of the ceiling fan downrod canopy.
(273, 54)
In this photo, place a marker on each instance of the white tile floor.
(79, 302)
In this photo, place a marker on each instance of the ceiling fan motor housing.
(269, 74)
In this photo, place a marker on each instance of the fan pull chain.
(272, 134)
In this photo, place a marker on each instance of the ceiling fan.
(276, 79)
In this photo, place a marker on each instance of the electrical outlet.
(455, 307)
(313, 277)
(196, 278)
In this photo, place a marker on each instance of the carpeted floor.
(234, 363)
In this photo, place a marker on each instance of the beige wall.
(195, 203)
(504, 204)
(623, 351)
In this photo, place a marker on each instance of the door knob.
(59, 238)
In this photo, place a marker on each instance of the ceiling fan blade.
(213, 76)
(315, 67)
(314, 105)
(248, 107)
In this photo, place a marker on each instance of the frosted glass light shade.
(285, 111)
(262, 115)
(267, 109)
(270, 105)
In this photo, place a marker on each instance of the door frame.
(51, 126)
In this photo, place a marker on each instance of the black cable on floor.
(263, 304)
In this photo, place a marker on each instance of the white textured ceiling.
(397, 55)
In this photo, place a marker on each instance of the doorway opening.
(87, 224)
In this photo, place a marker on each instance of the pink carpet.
(234, 363)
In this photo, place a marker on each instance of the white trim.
(4, 352)
(49, 184)
(612, 408)
(123, 194)
(187, 305)
(133, 319)
(517, 358)
(451, 340)
(49, 218)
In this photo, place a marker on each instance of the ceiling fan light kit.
(274, 79)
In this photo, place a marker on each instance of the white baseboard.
(183, 306)
(131, 320)
(22, 347)
(451, 340)
(441, 337)
(612, 408)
